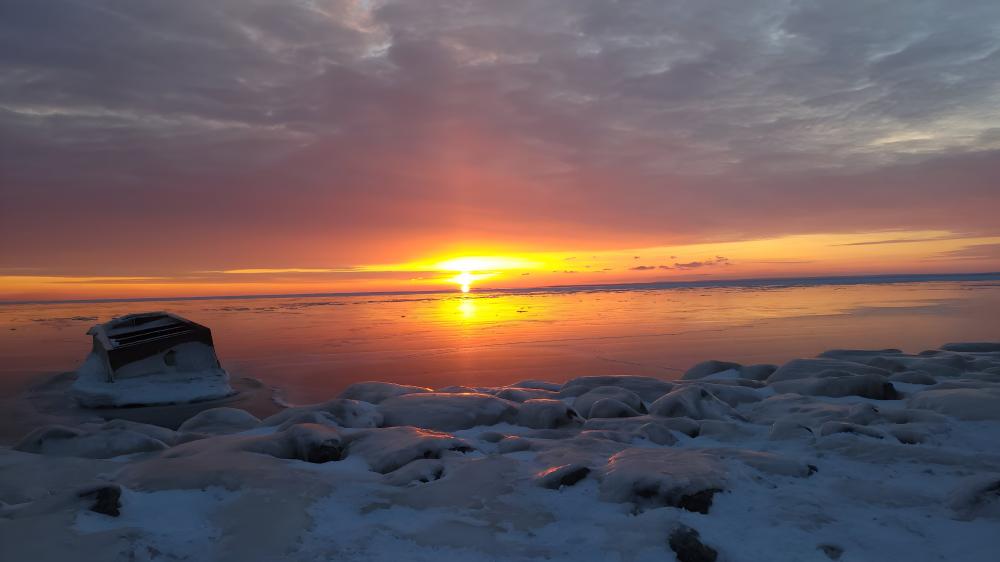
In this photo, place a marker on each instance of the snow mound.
(543, 413)
(420, 471)
(647, 388)
(806, 368)
(63, 441)
(973, 347)
(388, 449)
(977, 496)
(515, 394)
(583, 403)
(692, 402)
(343, 412)
(962, 403)
(220, 420)
(710, 367)
(446, 412)
(539, 385)
(686, 479)
(611, 408)
(559, 476)
(840, 383)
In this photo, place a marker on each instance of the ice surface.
(815, 464)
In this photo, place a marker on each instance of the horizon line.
(746, 281)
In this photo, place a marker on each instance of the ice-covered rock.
(611, 408)
(339, 411)
(782, 430)
(977, 496)
(732, 394)
(446, 412)
(710, 367)
(832, 427)
(912, 377)
(973, 347)
(838, 383)
(684, 426)
(515, 394)
(459, 389)
(388, 449)
(647, 388)
(963, 403)
(583, 403)
(664, 477)
(540, 385)
(810, 412)
(220, 420)
(420, 471)
(168, 436)
(758, 372)
(312, 443)
(559, 476)
(544, 413)
(806, 368)
(656, 433)
(692, 402)
(687, 546)
(375, 392)
(722, 430)
(58, 440)
(860, 355)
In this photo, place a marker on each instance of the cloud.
(717, 260)
(973, 252)
(642, 267)
(900, 241)
(279, 131)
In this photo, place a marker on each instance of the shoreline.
(850, 455)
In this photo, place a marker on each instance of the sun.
(465, 280)
(470, 269)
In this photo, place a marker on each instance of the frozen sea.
(311, 347)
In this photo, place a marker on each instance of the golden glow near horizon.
(789, 256)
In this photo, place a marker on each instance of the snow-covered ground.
(853, 456)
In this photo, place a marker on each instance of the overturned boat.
(150, 358)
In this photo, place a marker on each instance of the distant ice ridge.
(853, 455)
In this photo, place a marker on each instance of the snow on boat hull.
(150, 358)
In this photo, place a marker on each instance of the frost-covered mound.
(854, 455)
(192, 374)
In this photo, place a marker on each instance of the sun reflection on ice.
(467, 307)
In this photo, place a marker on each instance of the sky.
(201, 147)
